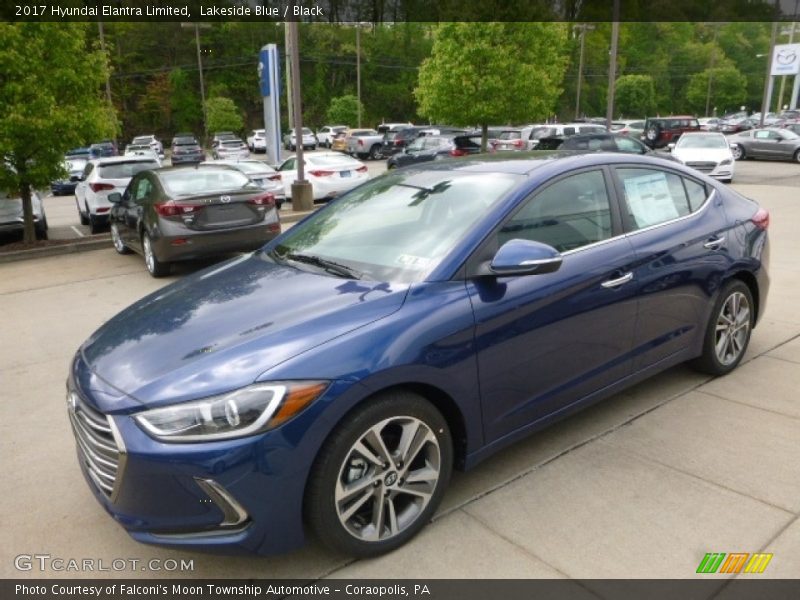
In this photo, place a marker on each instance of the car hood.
(221, 328)
(701, 154)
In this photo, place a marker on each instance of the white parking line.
(76, 230)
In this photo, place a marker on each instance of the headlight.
(727, 161)
(244, 412)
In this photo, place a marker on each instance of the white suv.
(150, 140)
(101, 177)
(257, 140)
(325, 134)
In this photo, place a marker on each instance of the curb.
(99, 244)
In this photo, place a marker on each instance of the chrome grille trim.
(100, 446)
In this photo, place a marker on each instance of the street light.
(197, 27)
(358, 68)
(583, 28)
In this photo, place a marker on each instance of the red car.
(660, 131)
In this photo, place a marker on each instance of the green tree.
(51, 98)
(223, 115)
(728, 89)
(186, 111)
(344, 109)
(482, 73)
(635, 95)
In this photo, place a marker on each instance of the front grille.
(99, 445)
(703, 167)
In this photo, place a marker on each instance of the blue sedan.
(332, 380)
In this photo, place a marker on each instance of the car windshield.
(145, 139)
(232, 143)
(125, 170)
(423, 216)
(510, 135)
(716, 142)
(184, 182)
(75, 164)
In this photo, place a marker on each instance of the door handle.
(614, 283)
(714, 243)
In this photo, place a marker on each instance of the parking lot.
(641, 486)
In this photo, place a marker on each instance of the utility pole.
(711, 67)
(612, 67)
(302, 192)
(103, 50)
(289, 106)
(768, 81)
(583, 28)
(358, 70)
(197, 27)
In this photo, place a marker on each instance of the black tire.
(738, 152)
(41, 230)
(797, 156)
(94, 223)
(155, 267)
(652, 135)
(710, 361)
(116, 239)
(375, 152)
(336, 460)
(83, 216)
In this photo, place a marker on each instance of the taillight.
(761, 219)
(518, 143)
(101, 187)
(362, 169)
(276, 177)
(176, 209)
(262, 200)
(458, 152)
(399, 142)
(360, 142)
(320, 173)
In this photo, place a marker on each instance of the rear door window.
(652, 196)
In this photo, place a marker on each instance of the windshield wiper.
(328, 265)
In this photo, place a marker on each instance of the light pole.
(358, 71)
(583, 27)
(711, 68)
(612, 67)
(289, 106)
(197, 27)
(302, 192)
(768, 82)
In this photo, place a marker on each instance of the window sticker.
(414, 262)
(649, 199)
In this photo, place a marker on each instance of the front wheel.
(738, 152)
(728, 330)
(797, 156)
(116, 238)
(381, 475)
(155, 267)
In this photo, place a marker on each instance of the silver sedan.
(769, 143)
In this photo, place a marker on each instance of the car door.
(546, 341)
(83, 182)
(288, 171)
(135, 209)
(764, 143)
(678, 230)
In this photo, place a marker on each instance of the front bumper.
(236, 496)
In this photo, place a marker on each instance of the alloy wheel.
(732, 329)
(117, 239)
(149, 258)
(387, 478)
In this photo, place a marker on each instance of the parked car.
(510, 140)
(101, 177)
(709, 123)
(435, 147)
(768, 143)
(149, 140)
(73, 167)
(387, 127)
(326, 133)
(222, 136)
(333, 380)
(330, 174)
(309, 140)
(12, 218)
(257, 140)
(259, 172)
(708, 152)
(186, 149)
(103, 149)
(630, 127)
(84, 153)
(533, 133)
(142, 150)
(184, 213)
(603, 142)
(364, 143)
(339, 142)
(230, 148)
(395, 141)
(661, 131)
(736, 125)
(794, 127)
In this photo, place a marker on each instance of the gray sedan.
(770, 143)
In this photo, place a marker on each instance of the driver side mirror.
(115, 198)
(523, 257)
(670, 147)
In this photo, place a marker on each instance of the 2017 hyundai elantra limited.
(424, 320)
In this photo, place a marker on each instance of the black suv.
(661, 131)
(395, 141)
(186, 149)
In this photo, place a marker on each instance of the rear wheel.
(94, 223)
(119, 245)
(381, 475)
(155, 267)
(41, 229)
(375, 152)
(83, 216)
(728, 330)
